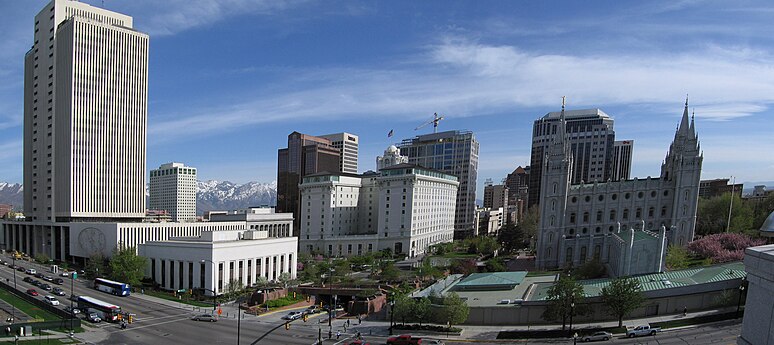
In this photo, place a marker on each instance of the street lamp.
(13, 307)
(739, 302)
(214, 294)
(575, 338)
(572, 312)
(331, 302)
(392, 309)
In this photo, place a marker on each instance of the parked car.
(642, 330)
(94, 318)
(313, 309)
(204, 317)
(21, 269)
(30, 271)
(28, 280)
(74, 311)
(404, 339)
(51, 300)
(432, 342)
(358, 342)
(46, 287)
(58, 281)
(37, 274)
(58, 291)
(293, 315)
(601, 335)
(48, 278)
(36, 282)
(32, 292)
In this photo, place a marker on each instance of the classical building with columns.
(216, 259)
(577, 221)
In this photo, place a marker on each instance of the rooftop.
(491, 281)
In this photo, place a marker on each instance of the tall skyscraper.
(305, 154)
(348, 144)
(622, 160)
(172, 188)
(590, 137)
(454, 153)
(85, 115)
(518, 185)
(496, 196)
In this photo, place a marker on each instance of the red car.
(358, 342)
(32, 292)
(404, 340)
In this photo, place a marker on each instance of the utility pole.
(730, 204)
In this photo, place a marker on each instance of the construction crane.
(434, 121)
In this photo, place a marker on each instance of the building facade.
(391, 157)
(305, 155)
(348, 146)
(578, 218)
(77, 137)
(490, 221)
(590, 137)
(172, 188)
(718, 187)
(454, 153)
(496, 196)
(259, 218)
(622, 160)
(518, 192)
(634, 252)
(213, 260)
(404, 208)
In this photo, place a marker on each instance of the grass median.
(27, 308)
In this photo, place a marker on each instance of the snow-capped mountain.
(12, 193)
(212, 195)
(225, 195)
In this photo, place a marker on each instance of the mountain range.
(211, 195)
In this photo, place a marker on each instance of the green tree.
(528, 224)
(42, 258)
(388, 272)
(455, 310)
(261, 281)
(126, 266)
(564, 298)
(404, 308)
(712, 215)
(511, 237)
(422, 310)
(428, 270)
(676, 257)
(96, 267)
(495, 265)
(622, 296)
(590, 270)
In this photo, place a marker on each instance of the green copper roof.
(491, 280)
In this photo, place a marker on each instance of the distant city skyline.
(369, 68)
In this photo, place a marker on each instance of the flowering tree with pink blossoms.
(723, 247)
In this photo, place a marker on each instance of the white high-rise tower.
(172, 188)
(85, 115)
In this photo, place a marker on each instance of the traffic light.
(131, 319)
(305, 316)
(287, 325)
(120, 317)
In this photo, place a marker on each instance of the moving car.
(58, 281)
(313, 309)
(37, 274)
(601, 335)
(293, 315)
(45, 287)
(94, 318)
(642, 330)
(27, 280)
(432, 342)
(74, 311)
(404, 339)
(358, 342)
(21, 269)
(32, 292)
(51, 300)
(59, 292)
(30, 271)
(48, 278)
(204, 317)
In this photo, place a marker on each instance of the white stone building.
(258, 218)
(85, 115)
(635, 252)
(215, 259)
(577, 220)
(391, 157)
(172, 188)
(489, 221)
(404, 208)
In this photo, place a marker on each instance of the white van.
(51, 300)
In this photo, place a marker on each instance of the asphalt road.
(157, 323)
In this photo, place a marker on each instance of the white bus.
(112, 287)
(106, 311)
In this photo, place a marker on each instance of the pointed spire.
(684, 125)
(692, 128)
(562, 130)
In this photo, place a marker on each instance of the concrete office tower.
(85, 115)
(590, 137)
(305, 154)
(391, 157)
(348, 145)
(173, 189)
(454, 153)
(622, 160)
(496, 196)
(518, 189)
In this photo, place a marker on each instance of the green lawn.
(171, 297)
(42, 341)
(284, 301)
(26, 307)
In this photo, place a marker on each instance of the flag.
(389, 135)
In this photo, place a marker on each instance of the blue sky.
(230, 79)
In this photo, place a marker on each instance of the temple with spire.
(625, 224)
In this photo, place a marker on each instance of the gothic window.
(571, 232)
(572, 218)
(685, 196)
(548, 252)
(650, 212)
(550, 237)
(598, 230)
(574, 199)
(585, 217)
(610, 229)
(599, 216)
(601, 197)
(597, 252)
(553, 205)
(612, 215)
(638, 214)
(685, 210)
(663, 211)
(653, 194)
(583, 254)
(626, 196)
(552, 221)
(614, 196)
(585, 230)
(555, 187)
(587, 198)
(626, 214)
(568, 255)
(640, 195)
(666, 193)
